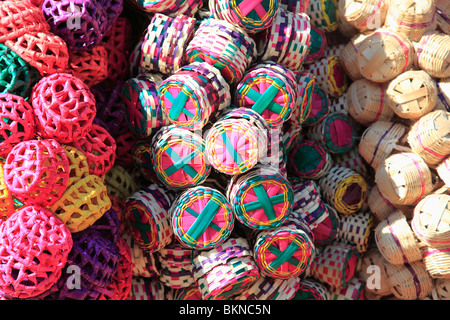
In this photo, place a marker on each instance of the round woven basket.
(319, 43)
(145, 264)
(349, 57)
(176, 266)
(380, 140)
(412, 18)
(441, 289)
(309, 160)
(319, 107)
(356, 229)
(433, 54)
(437, 261)
(443, 15)
(305, 88)
(327, 230)
(379, 206)
(268, 288)
(324, 14)
(364, 16)
(443, 97)
(404, 178)
(372, 263)
(366, 102)
(355, 290)
(311, 289)
(396, 241)
(225, 271)
(384, 54)
(412, 94)
(202, 218)
(190, 293)
(443, 171)
(409, 281)
(344, 189)
(429, 137)
(91, 66)
(296, 6)
(352, 160)
(261, 198)
(6, 199)
(78, 166)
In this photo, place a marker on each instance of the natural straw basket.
(433, 54)
(349, 57)
(379, 140)
(379, 206)
(404, 178)
(443, 94)
(429, 137)
(412, 94)
(437, 261)
(443, 15)
(412, 18)
(441, 290)
(372, 261)
(443, 171)
(409, 281)
(367, 102)
(384, 54)
(431, 220)
(396, 241)
(364, 15)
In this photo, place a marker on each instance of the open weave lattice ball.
(34, 250)
(37, 171)
(16, 76)
(18, 122)
(100, 149)
(6, 200)
(78, 166)
(64, 107)
(91, 66)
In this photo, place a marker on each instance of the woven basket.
(237, 141)
(429, 137)
(349, 57)
(324, 14)
(145, 264)
(305, 88)
(433, 54)
(287, 40)
(356, 229)
(352, 160)
(176, 266)
(309, 160)
(224, 46)
(298, 6)
(201, 218)
(78, 166)
(17, 77)
(171, 8)
(319, 107)
(319, 43)
(124, 147)
(64, 106)
(18, 122)
(91, 66)
(336, 265)
(443, 98)
(144, 289)
(311, 289)
(326, 231)
(339, 104)
(436, 261)
(443, 15)
(384, 54)
(443, 171)
(6, 199)
(404, 179)
(367, 102)
(225, 271)
(412, 18)
(142, 160)
(193, 94)
(269, 89)
(45, 242)
(364, 16)
(372, 264)
(409, 281)
(355, 290)
(441, 289)
(261, 198)
(190, 293)
(268, 288)
(344, 189)
(396, 241)
(379, 206)
(119, 182)
(165, 41)
(412, 94)
(147, 216)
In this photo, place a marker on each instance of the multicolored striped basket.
(298, 6)
(305, 85)
(308, 159)
(179, 157)
(324, 14)
(356, 229)
(146, 214)
(225, 271)
(237, 141)
(201, 218)
(319, 107)
(223, 45)
(336, 132)
(352, 160)
(176, 266)
(311, 289)
(379, 206)
(318, 45)
(193, 95)
(269, 89)
(165, 42)
(144, 289)
(145, 263)
(143, 111)
(432, 54)
(268, 288)
(284, 252)
(261, 198)
(326, 231)
(287, 40)
(336, 265)
(252, 16)
(355, 290)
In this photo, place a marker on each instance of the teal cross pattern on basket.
(203, 221)
(253, 9)
(265, 202)
(178, 104)
(182, 163)
(284, 256)
(265, 100)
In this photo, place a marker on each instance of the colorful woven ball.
(224, 46)
(108, 225)
(78, 165)
(100, 150)
(268, 288)
(261, 198)
(193, 95)
(237, 141)
(18, 122)
(336, 132)
(202, 218)
(308, 159)
(176, 266)
(147, 215)
(6, 199)
(17, 76)
(319, 107)
(142, 159)
(165, 42)
(119, 182)
(269, 89)
(287, 40)
(64, 107)
(305, 87)
(37, 171)
(35, 247)
(225, 271)
(91, 66)
(284, 252)
(179, 157)
(252, 16)
(318, 45)
(82, 204)
(124, 146)
(324, 14)
(142, 104)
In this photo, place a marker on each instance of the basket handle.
(410, 96)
